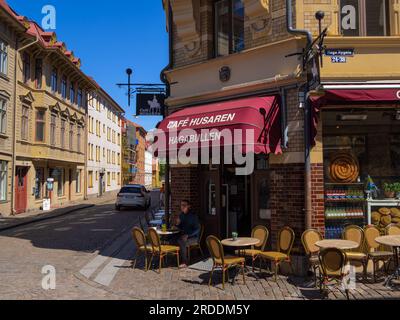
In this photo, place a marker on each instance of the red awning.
(353, 97)
(206, 124)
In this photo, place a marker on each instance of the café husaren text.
(178, 312)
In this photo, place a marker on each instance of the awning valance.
(205, 124)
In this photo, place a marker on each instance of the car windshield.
(130, 190)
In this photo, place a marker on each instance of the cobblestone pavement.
(91, 251)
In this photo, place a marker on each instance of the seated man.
(188, 223)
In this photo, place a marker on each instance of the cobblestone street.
(91, 251)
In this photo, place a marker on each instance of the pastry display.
(385, 211)
(344, 168)
(385, 216)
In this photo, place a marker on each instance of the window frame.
(362, 20)
(54, 80)
(4, 48)
(62, 132)
(53, 127)
(72, 92)
(3, 181)
(25, 123)
(3, 115)
(231, 27)
(26, 69)
(64, 86)
(38, 73)
(43, 122)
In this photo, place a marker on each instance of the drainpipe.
(307, 118)
(14, 148)
(164, 79)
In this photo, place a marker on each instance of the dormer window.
(364, 18)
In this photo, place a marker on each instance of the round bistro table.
(338, 244)
(394, 242)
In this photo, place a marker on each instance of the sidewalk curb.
(34, 220)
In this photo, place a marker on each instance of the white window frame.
(3, 57)
(3, 180)
(3, 115)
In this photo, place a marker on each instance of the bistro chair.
(357, 255)
(309, 238)
(393, 230)
(220, 261)
(141, 246)
(161, 250)
(332, 262)
(373, 249)
(261, 233)
(285, 244)
(197, 244)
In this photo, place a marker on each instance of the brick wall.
(287, 200)
(317, 194)
(185, 186)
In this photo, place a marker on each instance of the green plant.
(392, 187)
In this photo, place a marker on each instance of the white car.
(133, 196)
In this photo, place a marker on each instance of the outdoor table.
(338, 244)
(394, 243)
(241, 244)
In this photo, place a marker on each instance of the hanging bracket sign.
(150, 104)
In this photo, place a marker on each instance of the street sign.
(150, 104)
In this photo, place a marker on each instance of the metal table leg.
(396, 274)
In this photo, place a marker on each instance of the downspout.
(307, 118)
(164, 79)
(14, 148)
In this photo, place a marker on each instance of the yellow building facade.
(50, 134)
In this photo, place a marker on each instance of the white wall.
(93, 165)
(148, 169)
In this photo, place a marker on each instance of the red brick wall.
(317, 194)
(185, 186)
(287, 200)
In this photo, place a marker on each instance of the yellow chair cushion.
(146, 248)
(231, 260)
(250, 252)
(356, 255)
(276, 256)
(168, 248)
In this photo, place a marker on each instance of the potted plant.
(391, 190)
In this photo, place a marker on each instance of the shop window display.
(361, 161)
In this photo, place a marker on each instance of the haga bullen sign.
(150, 104)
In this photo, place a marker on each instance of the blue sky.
(110, 38)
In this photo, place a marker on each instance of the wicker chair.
(141, 246)
(332, 262)
(285, 244)
(261, 233)
(358, 255)
(308, 239)
(220, 261)
(373, 248)
(161, 250)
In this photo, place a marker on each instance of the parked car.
(133, 196)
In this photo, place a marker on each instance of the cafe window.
(3, 116)
(364, 17)
(54, 80)
(229, 27)
(53, 130)
(3, 57)
(40, 125)
(58, 176)
(26, 67)
(3, 181)
(38, 73)
(25, 123)
(39, 180)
